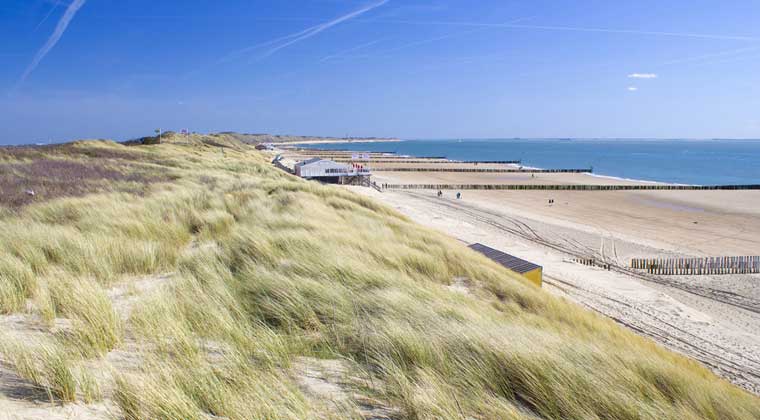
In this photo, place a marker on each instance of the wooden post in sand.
(743, 264)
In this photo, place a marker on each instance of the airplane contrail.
(352, 49)
(231, 56)
(447, 36)
(711, 55)
(574, 29)
(50, 12)
(419, 42)
(67, 17)
(314, 30)
(288, 39)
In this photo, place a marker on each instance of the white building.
(265, 146)
(332, 172)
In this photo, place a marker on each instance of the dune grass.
(266, 269)
(44, 365)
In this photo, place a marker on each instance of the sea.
(689, 162)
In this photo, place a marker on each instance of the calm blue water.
(703, 162)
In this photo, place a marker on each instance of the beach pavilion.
(331, 172)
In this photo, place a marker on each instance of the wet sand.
(694, 223)
(497, 178)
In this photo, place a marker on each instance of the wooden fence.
(487, 170)
(593, 262)
(698, 266)
(565, 187)
(278, 163)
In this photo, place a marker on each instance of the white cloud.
(632, 88)
(642, 76)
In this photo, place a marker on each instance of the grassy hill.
(192, 280)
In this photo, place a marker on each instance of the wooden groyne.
(349, 155)
(336, 152)
(392, 157)
(506, 162)
(487, 170)
(698, 266)
(330, 155)
(568, 187)
(593, 262)
(431, 159)
(400, 160)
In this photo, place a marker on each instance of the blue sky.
(415, 69)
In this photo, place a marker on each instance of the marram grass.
(265, 269)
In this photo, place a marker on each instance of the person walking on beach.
(440, 193)
(459, 195)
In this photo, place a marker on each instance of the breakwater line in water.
(567, 187)
(487, 170)
(692, 162)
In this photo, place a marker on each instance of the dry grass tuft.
(45, 365)
(96, 328)
(268, 269)
(17, 283)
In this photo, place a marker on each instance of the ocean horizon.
(679, 161)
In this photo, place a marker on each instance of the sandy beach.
(495, 178)
(697, 223)
(714, 319)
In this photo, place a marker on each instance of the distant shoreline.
(669, 162)
(414, 177)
